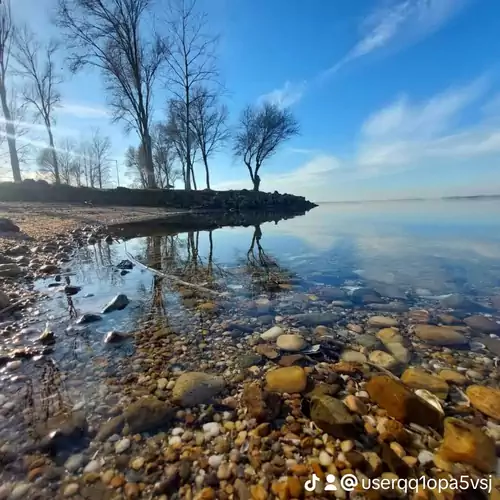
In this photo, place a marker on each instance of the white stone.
(325, 459)
(13, 365)
(211, 429)
(74, 462)
(175, 440)
(177, 431)
(273, 333)
(20, 490)
(161, 383)
(71, 489)
(215, 460)
(92, 466)
(122, 445)
(425, 457)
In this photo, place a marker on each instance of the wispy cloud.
(81, 110)
(437, 132)
(285, 96)
(395, 25)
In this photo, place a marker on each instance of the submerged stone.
(332, 416)
(88, 318)
(482, 324)
(289, 379)
(194, 388)
(315, 319)
(440, 335)
(118, 303)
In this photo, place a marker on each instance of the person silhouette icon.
(330, 479)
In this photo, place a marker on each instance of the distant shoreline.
(442, 198)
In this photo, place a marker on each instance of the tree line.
(138, 52)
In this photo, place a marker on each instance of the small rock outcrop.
(117, 303)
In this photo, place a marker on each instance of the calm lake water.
(410, 255)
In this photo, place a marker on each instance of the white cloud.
(404, 133)
(285, 96)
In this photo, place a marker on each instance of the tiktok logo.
(330, 486)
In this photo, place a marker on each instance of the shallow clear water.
(415, 252)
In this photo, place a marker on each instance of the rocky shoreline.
(248, 397)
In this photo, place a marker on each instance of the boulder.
(118, 303)
(290, 342)
(114, 337)
(401, 403)
(289, 379)
(440, 335)
(482, 324)
(262, 405)
(417, 378)
(382, 322)
(466, 443)
(125, 264)
(194, 388)
(485, 399)
(112, 426)
(332, 416)
(383, 359)
(10, 270)
(62, 432)
(147, 414)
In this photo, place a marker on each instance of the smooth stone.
(459, 302)
(266, 350)
(365, 296)
(383, 359)
(393, 342)
(332, 416)
(452, 377)
(416, 378)
(401, 403)
(122, 445)
(19, 491)
(273, 333)
(117, 303)
(440, 335)
(74, 462)
(289, 379)
(482, 324)
(466, 443)
(425, 457)
(485, 399)
(391, 307)
(71, 489)
(114, 337)
(366, 340)
(353, 357)
(382, 322)
(194, 388)
(248, 360)
(147, 414)
(290, 342)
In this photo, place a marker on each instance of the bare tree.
(183, 139)
(135, 170)
(259, 134)
(36, 67)
(7, 34)
(191, 63)
(209, 125)
(164, 157)
(46, 165)
(66, 160)
(109, 35)
(100, 149)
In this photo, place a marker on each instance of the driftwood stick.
(175, 278)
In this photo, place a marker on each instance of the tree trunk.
(256, 182)
(11, 137)
(54, 155)
(194, 178)
(99, 173)
(207, 172)
(148, 161)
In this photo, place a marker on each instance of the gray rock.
(116, 304)
(147, 414)
(194, 388)
(248, 360)
(111, 427)
(383, 359)
(332, 416)
(4, 300)
(88, 318)
(10, 270)
(395, 307)
(114, 337)
(315, 319)
(365, 296)
(482, 324)
(327, 293)
(353, 357)
(461, 303)
(366, 340)
(273, 333)
(74, 462)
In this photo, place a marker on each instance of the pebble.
(74, 462)
(211, 429)
(122, 445)
(92, 466)
(347, 445)
(215, 460)
(19, 491)
(325, 459)
(175, 441)
(71, 489)
(224, 471)
(137, 463)
(425, 457)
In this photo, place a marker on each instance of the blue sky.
(396, 98)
